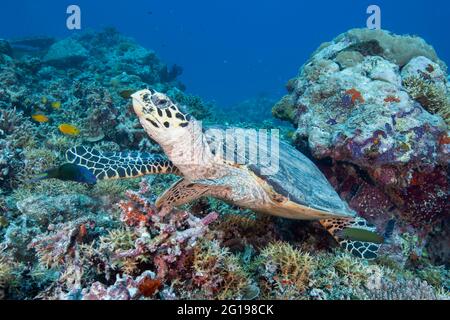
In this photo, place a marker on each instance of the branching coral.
(10, 121)
(55, 248)
(10, 165)
(166, 237)
(184, 266)
(287, 271)
(15, 127)
(216, 273)
(6, 275)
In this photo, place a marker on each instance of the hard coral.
(216, 273)
(54, 248)
(287, 271)
(404, 290)
(389, 148)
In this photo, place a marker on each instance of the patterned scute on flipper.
(119, 165)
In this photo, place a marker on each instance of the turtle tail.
(354, 235)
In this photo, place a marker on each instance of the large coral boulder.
(376, 104)
(66, 53)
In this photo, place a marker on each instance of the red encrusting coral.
(148, 286)
(444, 139)
(390, 99)
(355, 95)
(136, 210)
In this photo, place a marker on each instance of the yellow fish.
(69, 129)
(39, 118)
(56, 104)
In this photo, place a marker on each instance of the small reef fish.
(68, 172)
(40, 118)
(69, 129)
(44, 100)
(56, 105)
(357, 234)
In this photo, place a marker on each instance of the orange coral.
(444, 139)
(148, 287)
(356, 95)
(391, 99)
(82, 232)
(136, 211)
(132, 216)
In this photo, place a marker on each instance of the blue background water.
(234, 49)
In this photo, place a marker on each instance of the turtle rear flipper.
(355, 235)
(120, 165)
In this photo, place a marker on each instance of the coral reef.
(371, 108)
(368, 109)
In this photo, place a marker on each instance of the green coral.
(6, 273)
(50, 187)
(120, 240)
(287, 271)
(432, 97)
(285, 109)
(195, 105)
(217, 273)
(114, 189)
(59, 143)
(437, 276)
(37, 161)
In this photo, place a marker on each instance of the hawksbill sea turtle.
(298, 190)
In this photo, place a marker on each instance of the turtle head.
(160, 117)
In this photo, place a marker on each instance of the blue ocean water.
(231, 50)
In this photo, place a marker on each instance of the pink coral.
(125, 288)
(167, 238)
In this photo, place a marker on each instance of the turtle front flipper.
(120, 165)
(184, 191)
(355, 235)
